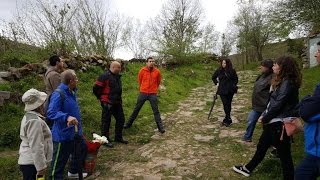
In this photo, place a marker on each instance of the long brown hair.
(228, 67)
(289, 70)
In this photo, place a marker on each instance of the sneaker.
(76, 175)
(241, 170)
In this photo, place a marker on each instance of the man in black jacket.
(108, 89)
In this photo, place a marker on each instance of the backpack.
(62, 98)
(309, 107)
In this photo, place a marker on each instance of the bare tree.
(136, 39)
(177, 29)
(83, 25)
(209, 39)
(51, 22)
(99, 31)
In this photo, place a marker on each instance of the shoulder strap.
(62, 97)
(45, 76)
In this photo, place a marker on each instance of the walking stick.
(215, 97)
(77, 152)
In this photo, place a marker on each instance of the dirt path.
(193, 146)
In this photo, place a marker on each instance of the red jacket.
(149, 81)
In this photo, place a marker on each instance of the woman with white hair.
(36, 147)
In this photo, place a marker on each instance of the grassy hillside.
(292, 47)
(17, 54)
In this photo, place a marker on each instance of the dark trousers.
(226, 101)
(271, 137)
(309, 168)
(142, 98)
(107, 111)
(29, 172)
(61, 154)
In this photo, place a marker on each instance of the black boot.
(160, 128)
(226, 122)
(109, 144)
(121, 140)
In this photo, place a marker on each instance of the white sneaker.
(76, 175)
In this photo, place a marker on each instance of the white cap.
(33, 99)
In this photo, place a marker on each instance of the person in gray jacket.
(52, 76)
(36, 147)
(260, 97)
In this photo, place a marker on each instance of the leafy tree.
(255, 28)
(225, 46)
(298, 13)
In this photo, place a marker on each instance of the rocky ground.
(193, 146)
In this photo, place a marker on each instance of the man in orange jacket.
(149, 78)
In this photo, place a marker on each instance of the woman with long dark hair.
(227, 78)
(284, 97)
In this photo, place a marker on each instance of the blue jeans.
(309, 168)
(252, 120)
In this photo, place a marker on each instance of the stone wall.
(76, 62)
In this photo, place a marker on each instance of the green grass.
(9, 168)
(15, 54)
(310, 80)
(178, 83)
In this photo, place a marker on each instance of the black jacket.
(283, 102)
(108, 88)
(260, 94)
(228, 81)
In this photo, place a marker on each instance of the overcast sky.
(216, 12)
